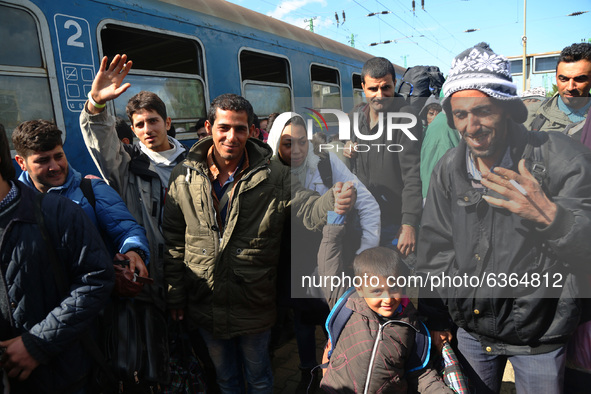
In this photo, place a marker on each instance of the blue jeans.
(235, 359)
(539, 373)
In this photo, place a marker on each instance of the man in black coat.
(388, 163)
(504, 233)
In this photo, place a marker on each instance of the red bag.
(127, 283)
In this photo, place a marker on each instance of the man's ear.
(21, 162)
(168, 122)
(251, 131)
(208, 126)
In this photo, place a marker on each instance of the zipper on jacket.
(236, 187)
(374, 350)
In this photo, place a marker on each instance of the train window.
(326, 89)
(24, 83)
(183, 97)
(168, 65)
(358, 94)
(266, 82)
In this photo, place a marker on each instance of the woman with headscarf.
(291, 146)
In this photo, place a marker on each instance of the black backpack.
(420, 82)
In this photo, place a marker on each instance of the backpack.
(134, 341)
(420, 82)
(325, 170)
(337, 320)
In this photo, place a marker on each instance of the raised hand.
(108, 83)
(524, 195)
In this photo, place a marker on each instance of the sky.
(435, 35)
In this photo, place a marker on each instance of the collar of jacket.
(141, 164)
(25, 211)
(259, 153)
(468, 195)
(552, 111)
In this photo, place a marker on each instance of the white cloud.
(287, 6)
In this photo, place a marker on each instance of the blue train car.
(186, 51)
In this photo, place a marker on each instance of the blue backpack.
(340, 314)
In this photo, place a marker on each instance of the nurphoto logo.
(387, 123)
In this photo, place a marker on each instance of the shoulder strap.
(536, 160)
(421, 350)
(86, 187)
(325, 170)
(337, 319)
(87, 341)
(537, 123)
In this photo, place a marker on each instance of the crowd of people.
(489, 189)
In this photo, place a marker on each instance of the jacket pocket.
(255, 288)
(200, 282)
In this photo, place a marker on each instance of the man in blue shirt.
(41, 156)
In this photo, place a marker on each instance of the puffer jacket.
(393, 178)
(461, 234)
(227, 283)
(131, 173)
(349, 365)
(50, 326)
(110, 215)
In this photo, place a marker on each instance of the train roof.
(234, 13)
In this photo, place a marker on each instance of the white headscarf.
(274, 140)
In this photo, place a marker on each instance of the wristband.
(94, 103)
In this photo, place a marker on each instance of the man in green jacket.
(224, 214)
(572, 102)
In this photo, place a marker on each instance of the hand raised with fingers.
(108, 82)
(524, 194)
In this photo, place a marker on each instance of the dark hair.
(6, 168)
(574, 53)
(295, 121)
(123, 129)
(379, 261)
(378, 67)
(148, 101)
(200, 123)
(271, 119)
(36, 136)
(230, 102)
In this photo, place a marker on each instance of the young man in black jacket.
(42, 320)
